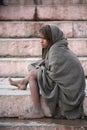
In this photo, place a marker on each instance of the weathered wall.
(21, 19)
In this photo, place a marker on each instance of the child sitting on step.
(58, 78)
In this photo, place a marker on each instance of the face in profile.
(44, 42)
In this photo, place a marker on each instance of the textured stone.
(42, 124)
(78, 46)
(17, 12)
(71, 29)
(32, 47)
(83, 1)
(44, 2)
(28, 29)
(16, 102)
(56, 12)
(17, 67)
(19, 2)
(20, 48)
(80, 29)
(62, 12)
(13, 104)
(55, 2)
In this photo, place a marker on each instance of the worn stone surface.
(71, 29)
(62, 12)
(32, 47)
(17, 12)
(78, 46)
(14, 106)
(52, 12)
(80, 29)
(15, 66)
(42, 2)
(20, 48)
(14, 102)
(18, 66)
(27, 50)
(42, 124)
(27, 29)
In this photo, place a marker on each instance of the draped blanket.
(61, 79)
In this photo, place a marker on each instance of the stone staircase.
(19, 20)
(42, 124)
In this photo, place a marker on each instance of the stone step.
(7, 90)
(17, 12)
(14, 102)
(17, 67)
(42, 124)
(62, 12)
(20, 47)
(31, 47)
(45, 12)
(44, 2)
(26, 29)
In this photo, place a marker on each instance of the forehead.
(41, 36)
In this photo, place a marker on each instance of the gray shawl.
(61, 78)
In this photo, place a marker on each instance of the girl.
(58, 77)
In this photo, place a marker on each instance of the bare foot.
(33, 115)
(21, 84)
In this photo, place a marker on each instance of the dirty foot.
(33, 115)
(21, 84)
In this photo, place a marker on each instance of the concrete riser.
(18, 54)
(22, 29)
(44, 2)
(57, 12)
(13, 25)
(29, 48)
(14, 106)
(15, 102)
(19, 67)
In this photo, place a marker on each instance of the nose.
(41, 41)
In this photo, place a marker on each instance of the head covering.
(54, 35)
(46, 32)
